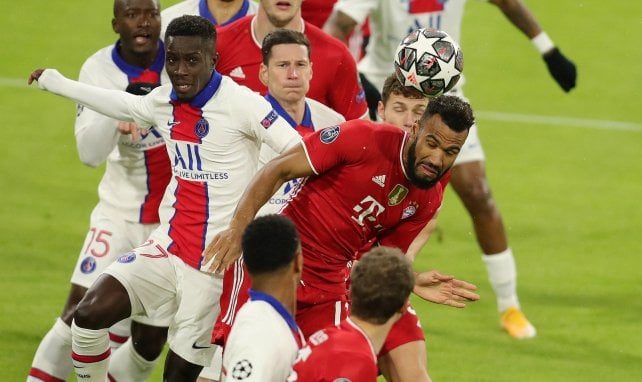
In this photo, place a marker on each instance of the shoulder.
(241, 25)
(323, 114)
(100, 58)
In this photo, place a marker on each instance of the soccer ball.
(430, 61)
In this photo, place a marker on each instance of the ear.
(263, 75)
(298, 262)
(114, 26)
(311, 71)
(380, 110)
(214, 59)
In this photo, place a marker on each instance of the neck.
(141, 60)
(295, 109)
(261, 25)
(278, 287)
(223, 10)
(376, 333)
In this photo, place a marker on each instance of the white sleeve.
(113, 103)
(270, 128)
(96, 134)
(358, 10)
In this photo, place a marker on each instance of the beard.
(411, 163)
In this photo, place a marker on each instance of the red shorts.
(317, 309)
(407, 329)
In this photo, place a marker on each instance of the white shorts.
(108, 238)
(213, 371)
(472, 150)
(155, 279)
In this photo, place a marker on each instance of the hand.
(223, 250)
(561, 68)
(130, 128)
(34, 76)
(444, 289)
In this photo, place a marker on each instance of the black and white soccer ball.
(430, 61)
(242, 370)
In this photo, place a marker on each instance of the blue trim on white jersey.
(204, 11)
(205, 94)
(134, 71)
(280, 309)
(307, 115)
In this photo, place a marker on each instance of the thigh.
(109, 236)
(317, 310)
(190, 332)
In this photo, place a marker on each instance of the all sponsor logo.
(88, 265)
(330, 134)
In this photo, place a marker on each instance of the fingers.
(34, 76)
(464, 284)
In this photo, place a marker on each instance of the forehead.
(122, 5)
(437, 128)
(185, 45)
(396, 99)
(289, 52)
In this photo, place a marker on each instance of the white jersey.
(136, 173)
(316, 117)
(391, 21)
(199, 8)
(213, 143)
(263, 343)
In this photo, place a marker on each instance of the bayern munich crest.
(202, 128)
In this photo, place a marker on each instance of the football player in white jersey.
(390, 21)
(265, 338)
(136, 174)
(219, 12)
(213, 140)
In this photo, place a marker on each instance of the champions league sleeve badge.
(330, 134)
(269, 119)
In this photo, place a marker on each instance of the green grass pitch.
(565, 170)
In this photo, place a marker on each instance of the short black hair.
(190, 25)
(380, 284)
(282, 36)
(269, 243)
(454, 111)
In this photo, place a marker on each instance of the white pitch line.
(557, 120)
(488, 115)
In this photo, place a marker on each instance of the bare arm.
(225, 247)
(339, 25)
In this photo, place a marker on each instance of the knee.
(148, 341)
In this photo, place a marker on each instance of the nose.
(409, 120)
(181, 67)
(293, 73)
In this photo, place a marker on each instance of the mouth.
(427, 170)
(283, 5)
(182, 87)
(142, 38)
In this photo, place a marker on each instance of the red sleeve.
(339, 144)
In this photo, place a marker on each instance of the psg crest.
(202, 128)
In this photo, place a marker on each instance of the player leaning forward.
(365, 181)
(213, 140)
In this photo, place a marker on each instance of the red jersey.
(342, 353)
(335, 82)
(361, 194)
(317, 12)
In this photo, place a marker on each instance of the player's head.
(279, 13)
(190, 54)
(400, 105)
(286, 69)
(138, 23)
(435, 141)
(380, 284)
(270, 244)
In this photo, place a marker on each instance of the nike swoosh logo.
(170, 123)
(195, 346)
